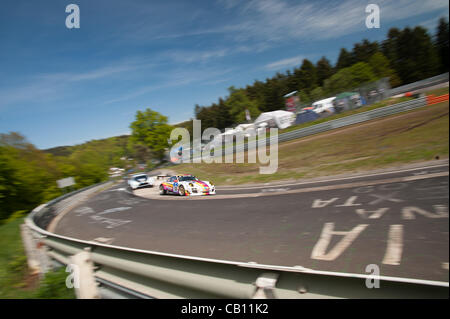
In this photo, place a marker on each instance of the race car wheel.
(162, 191)
(181, 191)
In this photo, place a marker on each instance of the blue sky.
(62, 86)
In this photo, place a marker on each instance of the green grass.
(16, 282)
(437, 92)
(374, 106)
(413, 136)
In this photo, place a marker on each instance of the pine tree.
(381, 68)
(324, 70)
(345, 60)
(442, 45)
(308, 76)
(363, 51)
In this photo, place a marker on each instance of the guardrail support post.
(86, 287)
(30, 249)
(265, 284)
(37, 259)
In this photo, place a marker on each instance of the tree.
(349, 78)
(15, 140)
(304, 98)
(411, 54)
(442, 45)
(345, 59)
(238, 102)
(361, 73)
(317, 94)
(224, 119)
(308, 76)
(381, 68)
(389, 47)
(27, 175)
(363, 51)
(323, 70)
(150, 128)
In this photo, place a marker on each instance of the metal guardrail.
(332, 124)
(123, 272)
(438, 79)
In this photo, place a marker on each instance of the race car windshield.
(140, 177)
(187, 178)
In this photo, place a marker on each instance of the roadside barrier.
(432, 99)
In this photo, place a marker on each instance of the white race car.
(185, 185)
(140, 180)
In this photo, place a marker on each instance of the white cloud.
(188, 56)
(285, 63)
(175, 78)
(431, 24)
(262, 23)
(54, 86)
(277, 20)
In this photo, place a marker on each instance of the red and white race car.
(185, 185)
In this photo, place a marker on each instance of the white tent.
(323, 105)
(243, 127)
(281, 119)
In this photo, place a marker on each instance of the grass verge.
(16, 281)
(438, 91)
(374, 106)
(414, 136)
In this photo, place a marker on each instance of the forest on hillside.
(406, 55)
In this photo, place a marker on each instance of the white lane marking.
(113, 210)
(321, 246)
(337, 179)
(80, 211)
(131, 201)
(382, 198)
(394, 248)
(120, 189)
(441, 212)
(364, 189)
(110, 222)
(421, 173)
(349, 202)
(392, 187)
(375, 214)
(266, 190)
(318, 203)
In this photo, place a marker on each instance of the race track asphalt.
(396, 220)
